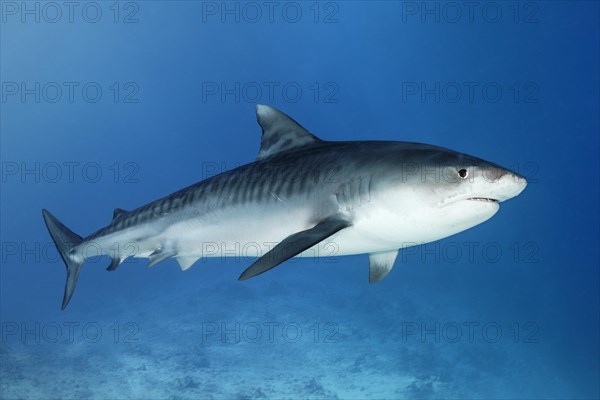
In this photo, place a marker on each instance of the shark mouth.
(485, 199)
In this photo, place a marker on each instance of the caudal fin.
(65, 241)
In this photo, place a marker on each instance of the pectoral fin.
(381, 264)
(294, 245)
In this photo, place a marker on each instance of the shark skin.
(302, 197)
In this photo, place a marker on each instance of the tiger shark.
(303, 196)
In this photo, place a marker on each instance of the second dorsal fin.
(280, 132)
(118, 212)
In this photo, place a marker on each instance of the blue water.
(110, 105)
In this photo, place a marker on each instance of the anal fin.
(114, 263)
(295, 244)
(380, 264)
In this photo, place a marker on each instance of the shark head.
(446, 191)
(473, 189)
(469, 181)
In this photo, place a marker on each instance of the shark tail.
(65, 241)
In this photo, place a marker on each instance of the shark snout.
(508, 186)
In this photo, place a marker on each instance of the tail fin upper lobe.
(65, 241)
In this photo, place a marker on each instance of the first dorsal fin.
(280, 132)
(118, 212)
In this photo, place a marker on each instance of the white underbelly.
(249, 231)
(381, 230)
(252, 234)
(253, 231)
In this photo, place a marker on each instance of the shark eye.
(463, 173)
